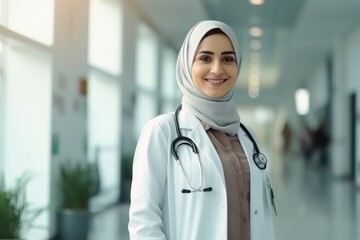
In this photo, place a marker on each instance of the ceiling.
(297, 34)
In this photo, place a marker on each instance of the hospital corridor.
(310, 205)
(265, 88)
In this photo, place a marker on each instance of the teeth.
(215, 81)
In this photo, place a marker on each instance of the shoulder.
(163, 122)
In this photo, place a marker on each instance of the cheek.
(233, 72)
(196, 72)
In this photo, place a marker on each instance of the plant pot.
(73, 225)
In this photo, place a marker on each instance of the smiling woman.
(209, 185)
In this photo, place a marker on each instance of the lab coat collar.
(187, 120)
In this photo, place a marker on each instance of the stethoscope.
(259, 158)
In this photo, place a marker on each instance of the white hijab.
(220, 113)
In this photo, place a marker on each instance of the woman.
(225, 197)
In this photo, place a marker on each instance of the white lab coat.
(159, 210)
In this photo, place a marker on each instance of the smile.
(216, 81)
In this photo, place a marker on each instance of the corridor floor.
(311, 205)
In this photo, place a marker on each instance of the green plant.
(15, 213)
(77, 183)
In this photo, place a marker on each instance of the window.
(103, 125)
(27, 104)
(105, 40)
(168, 81)
(146, 59)
(146, 77)
(33, 19)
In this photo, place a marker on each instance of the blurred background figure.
(320, 142)
(287, 137)
(307, 143)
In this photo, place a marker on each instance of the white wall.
(127, 85)
(353, 76)
(69, 104)
(339, 153)
(346, 59)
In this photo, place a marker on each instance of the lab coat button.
(256, 212)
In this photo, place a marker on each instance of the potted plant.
(77, 184)
(15, 214)
(126, 176)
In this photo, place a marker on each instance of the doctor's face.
(214, 70)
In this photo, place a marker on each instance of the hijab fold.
(220, 113)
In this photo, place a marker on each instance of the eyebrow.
(211, 53)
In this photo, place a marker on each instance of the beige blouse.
(237, 178)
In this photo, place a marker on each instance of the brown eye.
(205, 59)
(229, 59)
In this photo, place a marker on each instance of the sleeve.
(148, 184)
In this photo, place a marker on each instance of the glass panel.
(1, 106)
(1, 126)
(146, 59)
(105, 28)
(34, 19)
(145, 110)
(104, 128)
(1, 10)
(168, 83)
(27, 120)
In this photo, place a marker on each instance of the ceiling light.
(255, 31)
(255, 44)
(254, 83)
(256, 2)
(302, 100)
(253, 93)
(254, 78)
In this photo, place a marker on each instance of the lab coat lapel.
(207, 151)
(255, 172)
(248, 147)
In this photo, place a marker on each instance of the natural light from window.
(33, 19)
(105, 40)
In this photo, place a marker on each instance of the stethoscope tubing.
(259, 158)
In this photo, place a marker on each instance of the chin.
(215, 96)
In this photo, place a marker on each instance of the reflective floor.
(311, 205)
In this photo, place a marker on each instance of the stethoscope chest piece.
(260, 160)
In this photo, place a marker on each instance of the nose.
(217, 67)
